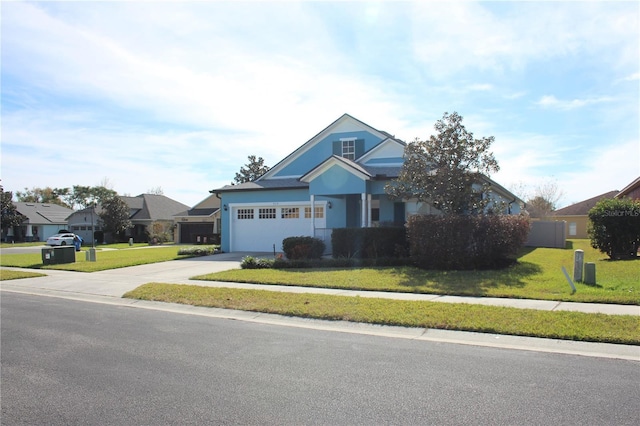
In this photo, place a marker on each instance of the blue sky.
(176, 95)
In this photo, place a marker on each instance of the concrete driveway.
(116, 282)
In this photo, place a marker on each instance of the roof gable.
(389, 152)
(334, 160)
(631, 190)
(320, 147)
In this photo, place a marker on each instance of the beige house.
(200, 224)
(576, 215)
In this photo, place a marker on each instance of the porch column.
(363, 210)
(368, 210)
(29, 231)
(313, 215)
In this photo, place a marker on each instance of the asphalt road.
(69, 362)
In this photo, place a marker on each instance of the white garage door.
(259, 227)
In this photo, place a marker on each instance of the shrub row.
(369, 243)
(250, 262)
(199, 251)
(465, 242)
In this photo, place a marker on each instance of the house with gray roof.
(146, 211)
(41, 220)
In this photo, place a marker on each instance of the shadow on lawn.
(471, 283)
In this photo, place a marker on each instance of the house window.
(290, 213)
(267, 213)
(245, 213)
(319, 212)
(573, 229)
(349, 149)
(75, 228)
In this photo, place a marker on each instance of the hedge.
(369, 243)
(465, 242)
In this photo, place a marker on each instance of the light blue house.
(334, 180)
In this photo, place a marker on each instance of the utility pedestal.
(590, 273)
(91, 255)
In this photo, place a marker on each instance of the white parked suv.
(61, 240)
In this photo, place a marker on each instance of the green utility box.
(56, 255)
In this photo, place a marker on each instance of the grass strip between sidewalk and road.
(623, 329)
(8, 274)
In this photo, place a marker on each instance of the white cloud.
(550, 101)
(452, 36)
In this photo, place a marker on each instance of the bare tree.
(155, 191)
(544, 200)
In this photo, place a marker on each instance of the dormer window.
(349, 148)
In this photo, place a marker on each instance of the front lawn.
(537, 275)
(106, 259)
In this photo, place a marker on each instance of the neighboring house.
(144, 210)
(576, 215)
(149, 208)
(200, 224)
(87, 224)
(631, 191)
(40, 221)
(334, 180)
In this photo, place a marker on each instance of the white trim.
(332, 161)
(348, 139)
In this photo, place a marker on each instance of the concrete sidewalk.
(116, 282)
(107, 287)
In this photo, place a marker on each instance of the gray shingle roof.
(43, 214)
(153, 207)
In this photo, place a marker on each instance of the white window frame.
(348, 148)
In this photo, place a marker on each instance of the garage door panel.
(259, 228)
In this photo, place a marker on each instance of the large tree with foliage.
(251, 171)
(614, 227)
(45, 195)
(115, 216)
(10, 216)
(85, 196)
(447, 170)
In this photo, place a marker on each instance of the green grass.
(32, 244)
(6, 274)
(107, 259)
(478, 318)
(537, 275)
